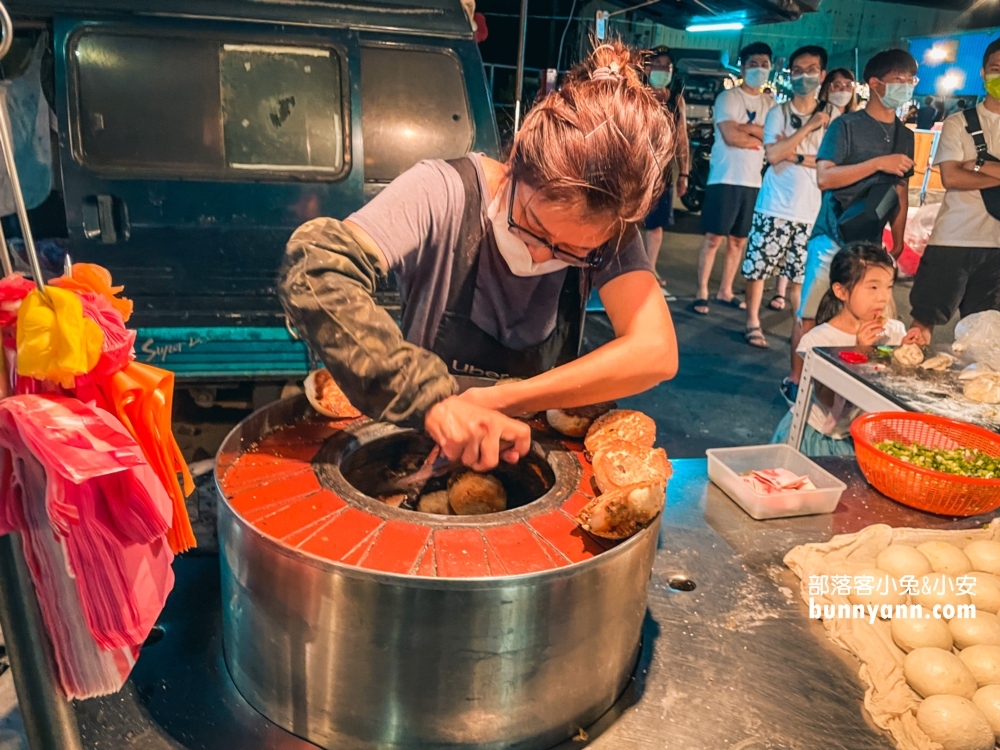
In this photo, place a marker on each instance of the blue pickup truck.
(193, 136)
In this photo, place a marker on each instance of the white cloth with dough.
(889, 700)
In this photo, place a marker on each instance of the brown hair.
(824, 92)
(602, 140)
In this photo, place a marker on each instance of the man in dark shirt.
(860, 150)
(927, 114)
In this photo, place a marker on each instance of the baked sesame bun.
(575, 422)
(470, 494)
(622, 424)
(621, 513)
(618, 464)
(326, 397)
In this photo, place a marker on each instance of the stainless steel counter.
(733, 663)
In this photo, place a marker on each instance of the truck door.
(191, 149)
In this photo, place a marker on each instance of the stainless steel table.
(734, 663)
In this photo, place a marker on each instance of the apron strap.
(465, 262)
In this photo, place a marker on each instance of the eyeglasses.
(911, 81)
(593, 259)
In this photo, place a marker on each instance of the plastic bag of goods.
(977, 337)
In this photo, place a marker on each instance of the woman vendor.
(495, 262)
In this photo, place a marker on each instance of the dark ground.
(725, 394)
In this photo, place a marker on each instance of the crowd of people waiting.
(837, 174)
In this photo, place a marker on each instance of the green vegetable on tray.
(966, 462)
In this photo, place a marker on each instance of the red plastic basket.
(932, 491)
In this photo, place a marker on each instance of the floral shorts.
(776, 243)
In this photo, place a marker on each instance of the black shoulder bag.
(991, 196)
(866, 216)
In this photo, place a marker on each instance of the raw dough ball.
(944, 590)
(984, 554)
(981, 630)
(946, 558)
(575, 422)
(618, 464)
(939, 363)
(471, 494)
(974, 370)
(983, 662)
(621, 424)
(985, 592)
(913, 633)
(882, 590)
(934, 671)
(955, 723)
(984, 390)
(987, 700)
(908, 355)
(435, 502)
(900, 560)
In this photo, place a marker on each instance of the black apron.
(465, 347)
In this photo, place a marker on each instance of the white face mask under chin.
(514, 251)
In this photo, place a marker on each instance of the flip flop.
(700, 306)
(734, 302)
(755, 338)
(774, 299)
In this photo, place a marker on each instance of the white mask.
(513, 250)
(755, 78)
(841, 98)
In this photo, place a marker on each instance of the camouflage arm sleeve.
(325, 285)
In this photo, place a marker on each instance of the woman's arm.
(642, 355)
(683, 146)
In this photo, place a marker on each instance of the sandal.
(733, 301)
(700, 306)
(774, 299)
(755, 337)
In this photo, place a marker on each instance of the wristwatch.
(799, 158)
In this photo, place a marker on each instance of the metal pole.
(49, 719)
(519, 86)
(7, 146)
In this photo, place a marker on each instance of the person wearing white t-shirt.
(852, 313)
(734, 174)
(789, 198)
(960, 268)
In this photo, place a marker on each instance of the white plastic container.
(725, 465)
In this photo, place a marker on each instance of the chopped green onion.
(966, 462)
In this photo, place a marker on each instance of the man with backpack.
(863, 168)
(961, 264)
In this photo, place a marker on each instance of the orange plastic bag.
(55, 342)
(90, 277)
(141, 396)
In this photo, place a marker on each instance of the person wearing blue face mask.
(863, 167)
(789, 197)
(734, 175)
(669, 91)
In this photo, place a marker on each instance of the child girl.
(853, 313)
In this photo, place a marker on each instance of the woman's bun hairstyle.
(602, 139)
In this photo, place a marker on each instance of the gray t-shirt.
(851, 139)
(416, 221)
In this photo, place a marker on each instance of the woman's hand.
(918, 334)
(682, 185)
(473, 434)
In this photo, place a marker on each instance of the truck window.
(413, 107)
(177, 107)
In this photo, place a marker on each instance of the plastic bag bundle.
(54, 340)
(89, 277)
(141, 396)
(977, 338)
(94, 518)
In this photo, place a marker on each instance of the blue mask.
(755, 78)
(896, 95)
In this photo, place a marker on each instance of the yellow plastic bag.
(54, 340)
(90, 277)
